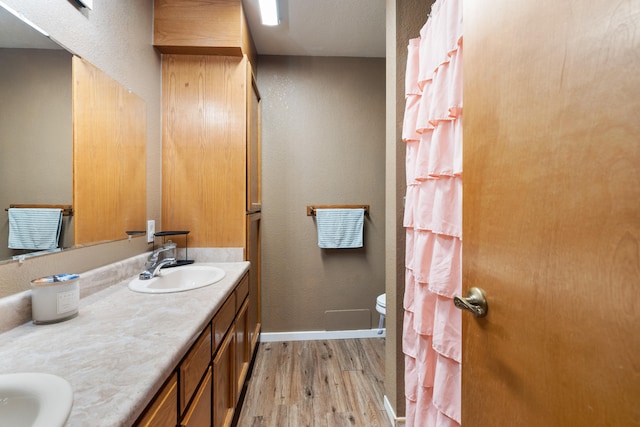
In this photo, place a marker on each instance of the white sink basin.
(179, 279)
(34, 400)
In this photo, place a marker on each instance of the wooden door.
(552, 212)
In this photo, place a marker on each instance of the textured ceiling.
(353, 28)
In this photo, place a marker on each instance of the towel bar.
(311, 209)
(66, 209)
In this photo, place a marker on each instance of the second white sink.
(34, 400)
(179, 279)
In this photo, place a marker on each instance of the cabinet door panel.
(254, 222)
(242, 291)
(204, 142)
(204, 27)
(199, 412)
(194, 366)
(242, 347)
(223, 320)
(224, 381)
(254, 155)
(163, 412)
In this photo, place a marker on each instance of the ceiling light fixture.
(269, 12)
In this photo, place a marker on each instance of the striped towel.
(34, 228)
(340, 228)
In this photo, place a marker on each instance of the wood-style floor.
(329, 383)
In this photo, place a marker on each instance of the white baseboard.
(395, 421)
(320, 335)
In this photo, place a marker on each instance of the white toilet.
(381, 307)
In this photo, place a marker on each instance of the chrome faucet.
(155, 268)
(154, 264)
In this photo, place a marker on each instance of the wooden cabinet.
(211, 164)
(204, 148)
(213, 27)
(163, 410)
(211, 168)
(205, 387)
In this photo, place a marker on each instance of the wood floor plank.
(349, 354)
(283, 359)
(300, 414)
(267, 392)
(364, 398)
(373, 360)
(341, 419)
(330, 383)
(331, 395)
(281, 417)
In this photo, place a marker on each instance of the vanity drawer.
(223, 320)
(194, 366)
(242, 291)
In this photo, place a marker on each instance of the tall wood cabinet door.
(204, 142)
(254, 222)
(254, 156)
(199, 412)
(224, 381)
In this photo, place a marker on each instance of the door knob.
(475, 302)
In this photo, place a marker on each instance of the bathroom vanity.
(146, 359)
(207, 383)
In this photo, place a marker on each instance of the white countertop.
(120, 348)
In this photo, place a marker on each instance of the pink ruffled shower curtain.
(432, 131)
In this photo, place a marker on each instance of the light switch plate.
(151, 229)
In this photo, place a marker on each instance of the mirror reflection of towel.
(340, 228)
(34, 228)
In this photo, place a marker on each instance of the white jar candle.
(55, 298)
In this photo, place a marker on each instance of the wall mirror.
(43, 87)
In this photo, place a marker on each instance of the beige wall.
(405, 18)
(35, 133)
(116, 37)
(322, 143)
